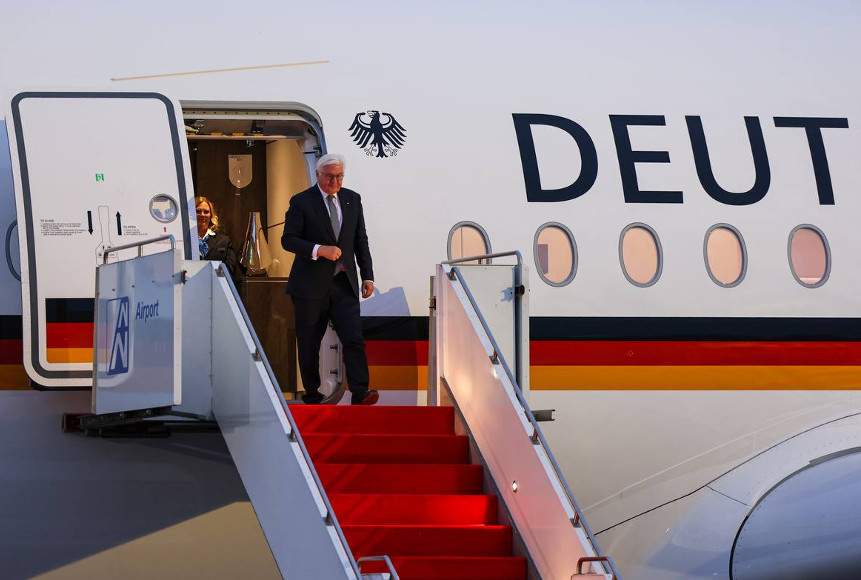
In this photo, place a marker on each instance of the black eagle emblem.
(378, 134)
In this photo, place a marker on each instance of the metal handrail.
(487, 257)
(139, 246)
(383, 558)
(589, 560)
(537, 434)
(294, 429)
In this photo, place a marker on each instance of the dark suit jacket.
(306, 224)
(221, 248)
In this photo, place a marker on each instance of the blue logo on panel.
(121, 343)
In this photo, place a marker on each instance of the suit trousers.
(341, 306)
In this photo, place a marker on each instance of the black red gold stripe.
(69, 330)
(12, 373)
(578, 352)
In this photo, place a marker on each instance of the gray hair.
(331, 159)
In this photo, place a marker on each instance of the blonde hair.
(213, 216)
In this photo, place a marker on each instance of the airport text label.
(146, 311)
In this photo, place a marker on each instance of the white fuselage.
(454, 75)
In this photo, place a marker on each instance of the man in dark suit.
(325, 228)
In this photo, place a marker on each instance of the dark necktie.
(336, 226)
(333, 215)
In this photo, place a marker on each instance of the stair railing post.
(521, 323)
(433, 380)
(439, 330)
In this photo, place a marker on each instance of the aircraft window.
(809, 258)
(555, 254)
(640, 254)
(468, 239)
(725, 254)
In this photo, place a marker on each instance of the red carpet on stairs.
(400, 483)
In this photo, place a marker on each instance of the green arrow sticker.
(100, 177)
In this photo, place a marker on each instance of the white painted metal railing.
(474, 369)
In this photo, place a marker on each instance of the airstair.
(401, 483)
(464, 487)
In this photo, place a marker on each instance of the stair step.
(412, 509)
(338, 448)
(400, 478)
(454, 568)
(429, 540)
(379, 419)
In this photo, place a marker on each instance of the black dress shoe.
(369, 397)
(312, 398)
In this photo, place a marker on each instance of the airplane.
(679, 179)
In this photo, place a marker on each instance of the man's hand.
(332, 253)
(367, 288)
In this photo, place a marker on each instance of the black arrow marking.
(90, 222)
(119, 224)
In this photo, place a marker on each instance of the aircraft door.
(90, 169)
(10, 278)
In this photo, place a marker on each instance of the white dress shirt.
(340, 220)
(340, 217)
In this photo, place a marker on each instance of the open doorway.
(249, 160)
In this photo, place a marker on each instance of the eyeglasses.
(332, 177)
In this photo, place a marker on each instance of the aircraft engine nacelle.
(793, 511)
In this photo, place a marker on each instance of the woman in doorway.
(214, 245)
